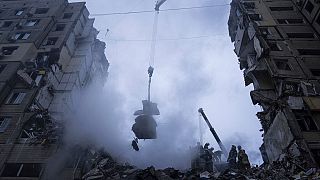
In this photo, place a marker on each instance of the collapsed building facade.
(278, 48)
(48, 50)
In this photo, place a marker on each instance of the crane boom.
(158, 4)
(223, 149)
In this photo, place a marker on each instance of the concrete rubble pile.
(41, 129)
(101, 166)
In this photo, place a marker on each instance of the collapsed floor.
(102, 166)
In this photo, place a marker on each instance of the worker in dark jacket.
(232, 158)
(243, 160)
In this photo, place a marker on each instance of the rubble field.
(104, 167)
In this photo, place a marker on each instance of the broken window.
(315, 72)
(6, 24)
(9, 50)
(60, 27)
(16, 98)
(290, 88)
(249, 5)
(4, 122)
(316, 154)
(255, 17)
(41, 10)
(22, 36)
(2, 67)
(51, 41)
(67, 15)
(300, 35)
(282, 64)
(309, 51)
(274, 46)
(19, 12)
(309, 7)
(40, 129)
(265, 31)
(305, 121)
(290, 8)
(42, 59)
(31, 22)
(21, 170)
(290, 21)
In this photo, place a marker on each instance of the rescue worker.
(243, 160)
(232, 158)
(217, 156)
(207, 156)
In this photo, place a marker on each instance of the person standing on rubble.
(232, 158)
(207, 156)
(243, 160)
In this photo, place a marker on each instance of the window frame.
(11, 49)
(51, 41)
(34, 21)
(282, 8)
(4, 123)
(41, 10)
(67, 15)
(18, 99)
(19, 12)
(307, 8)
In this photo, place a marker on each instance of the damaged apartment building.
(278, 48)
(48, 49)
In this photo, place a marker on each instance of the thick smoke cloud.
(189, 74)
(100, 118)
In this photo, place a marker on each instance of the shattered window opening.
(255, 17)
(19, 12)
(41, 10)
(309, 7)
(6, 24)
(301, 35)
(22, 36)
(291, 21)
(51, 41)
(318, 19)
(309, 51)
(21, 170)
(60, 27)
(4, 122)
(305, 121)
(249, 5)
(9, 50)
(282, 64)
(289, 8)
(2, 67)
(274, 46)
(40, 129)
(265, 31)
(67, 15)
(16, 98)
(315, 72)
(32, 22)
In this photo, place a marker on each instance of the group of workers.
(238, 159)
(205, 157)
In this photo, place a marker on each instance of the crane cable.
(152, 51)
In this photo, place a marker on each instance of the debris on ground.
(104, 167)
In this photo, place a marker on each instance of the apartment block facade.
(278, 48)
(48, 50)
